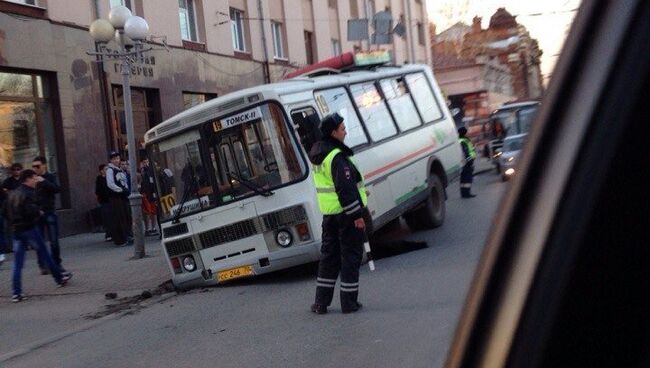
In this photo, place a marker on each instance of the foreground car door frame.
(532, 254)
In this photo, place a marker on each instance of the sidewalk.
(98, 267)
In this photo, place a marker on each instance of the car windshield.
(526, 117)
(252, 152)
(513, 144)
(181, 175)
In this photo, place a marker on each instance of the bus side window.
(424, 98)
(307, 122)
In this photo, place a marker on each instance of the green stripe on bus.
(410, 194)
(453, 168)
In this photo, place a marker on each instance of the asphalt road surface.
(411, 306)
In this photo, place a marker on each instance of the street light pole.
(123, 26)
(135, 198)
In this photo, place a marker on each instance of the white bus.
(236, 194)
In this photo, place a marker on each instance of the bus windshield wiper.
(186, 195)
(252, 186)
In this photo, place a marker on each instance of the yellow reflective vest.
(328, 200)
(470, 147)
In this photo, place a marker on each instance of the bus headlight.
(189, 264)
(283, 238)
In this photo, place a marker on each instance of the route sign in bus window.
(181, 175)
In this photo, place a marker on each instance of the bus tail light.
(303, 231)
(176, 264)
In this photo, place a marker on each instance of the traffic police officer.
(467, 174)
(342, 199)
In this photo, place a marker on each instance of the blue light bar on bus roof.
(371, 58)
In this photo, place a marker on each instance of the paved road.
(411, 306)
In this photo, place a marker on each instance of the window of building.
(373, 111)
(400, 103)
(126, 3)
(237, 28)
(309, 47)
(331, 4)
(354, 9)
(424, 98)
(278, 36)
(337, 100)
(420, 33)
(28, 125)
(192, 99)
(336, 47)
(187, 17)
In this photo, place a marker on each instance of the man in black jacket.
(118, 186)
(103, 199)
(342, 200)
(22, 213)
(8, 184)
(46, 191)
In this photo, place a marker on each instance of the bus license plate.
(234, 273)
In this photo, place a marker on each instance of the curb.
(47, 341)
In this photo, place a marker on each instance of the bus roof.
(238, 99)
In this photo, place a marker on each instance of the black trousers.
(341, 252)
(120, 220)
(466, 178)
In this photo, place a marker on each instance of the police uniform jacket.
(345, 175)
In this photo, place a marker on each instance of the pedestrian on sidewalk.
(467, 173)
(46, 191)
(9, 184)
(148, 191)
(116, 180)
(103, 199)
(22, 212)
(342, 200)
(13, 181)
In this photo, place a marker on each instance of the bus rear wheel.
(431, 213)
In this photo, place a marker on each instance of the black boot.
(465, 193)
(353, 309)
(318, 308)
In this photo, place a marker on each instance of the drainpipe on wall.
(265, 65)
(103, 87)
(409, 22)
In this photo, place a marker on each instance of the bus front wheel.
(431, 213)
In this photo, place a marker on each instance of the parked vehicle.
(508, 120)
(510, 151)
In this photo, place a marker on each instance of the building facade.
(508, 57)
(59, 102)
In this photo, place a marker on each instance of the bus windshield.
(252, 153)
(181, 175)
